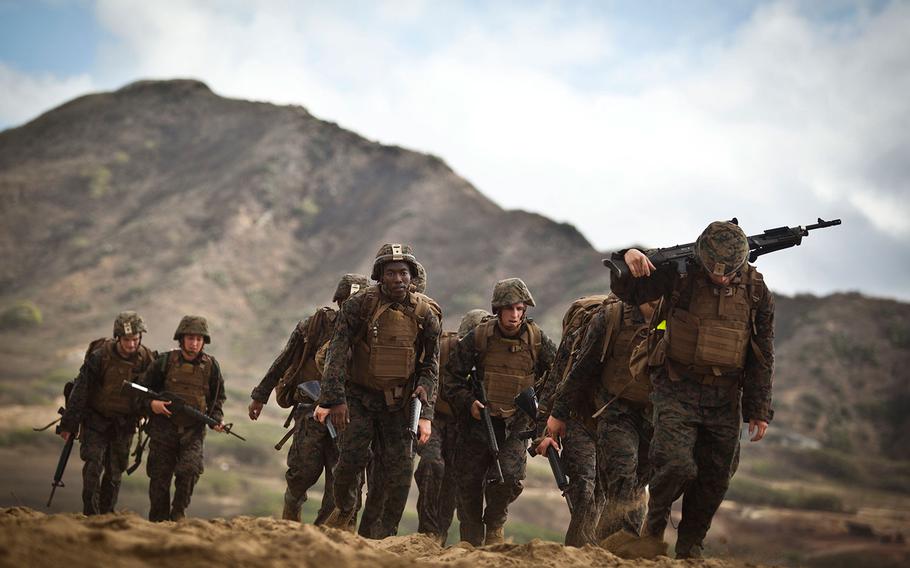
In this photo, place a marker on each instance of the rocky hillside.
(169, 199)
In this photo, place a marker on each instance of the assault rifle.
(681, 255)
(494, 474)
(180, 405)
(141, 443)
(527, 402)
(312, 390)
(61, 465)
(414, 421)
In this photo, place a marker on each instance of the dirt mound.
(28, 537)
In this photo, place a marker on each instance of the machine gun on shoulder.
(680, 256)
(527, 402)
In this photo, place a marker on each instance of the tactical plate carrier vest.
(385, 352)
(508, 364)
(709, 328)
(190, 382)
(111, 398)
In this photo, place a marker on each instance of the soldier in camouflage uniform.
(435, 475)
(176, 439)
(312, 449)
(106, 412)
(375, 522)
(711, 371)
(391, 337)
(507, 354)
(600, 371)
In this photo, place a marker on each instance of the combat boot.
(472, 533)
(683, 551)
(340, 520)
(292, 507)
(494, 536)
(178, 515)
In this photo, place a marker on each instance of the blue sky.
(596, 113)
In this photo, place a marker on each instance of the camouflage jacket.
(89, 379)
(214, 397)
(465, 360)
(351, 321)
(757, 375)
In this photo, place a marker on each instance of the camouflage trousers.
(623, 441)
(312, 451)
(693, 454)
(382, 435)
(174, 454)
(435, 478)
(579, 460)
(375, 522)
(104, 446)
(472, 462)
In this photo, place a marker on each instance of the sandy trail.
(31, 538)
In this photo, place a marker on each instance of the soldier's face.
(129, 344)
(192, 344)
(510, 317)
(396, 278)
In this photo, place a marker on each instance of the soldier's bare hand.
(757, 429)
(546, 443)
(160, 407)
(420, 393)
(218, 427)
(476, 408)
(424, 429)
(639, 264)
(66, 435)
(255, 409)
(340, 416)
(556, 427)
(320, 414)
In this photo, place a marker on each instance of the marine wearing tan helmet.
(193, 325)
(394, 252)
(722, 248)
(510, 291)
(129, 323)
(349, 285)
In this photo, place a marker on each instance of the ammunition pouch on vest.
(385, 352)
(111, 398)
(712, 335)
(446, 344)
(508, 364)
(190, 382)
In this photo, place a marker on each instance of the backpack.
(303, 360)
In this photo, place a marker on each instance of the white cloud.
(24, 96)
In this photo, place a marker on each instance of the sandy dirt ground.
(31, 538)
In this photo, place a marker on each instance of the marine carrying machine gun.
(681, 255)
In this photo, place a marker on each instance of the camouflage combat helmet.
(193, 325)
(420, 280)
(510, 291)
(722, 248)
(129, 323)
(471, 320)
(349, 285)
(393, 252)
